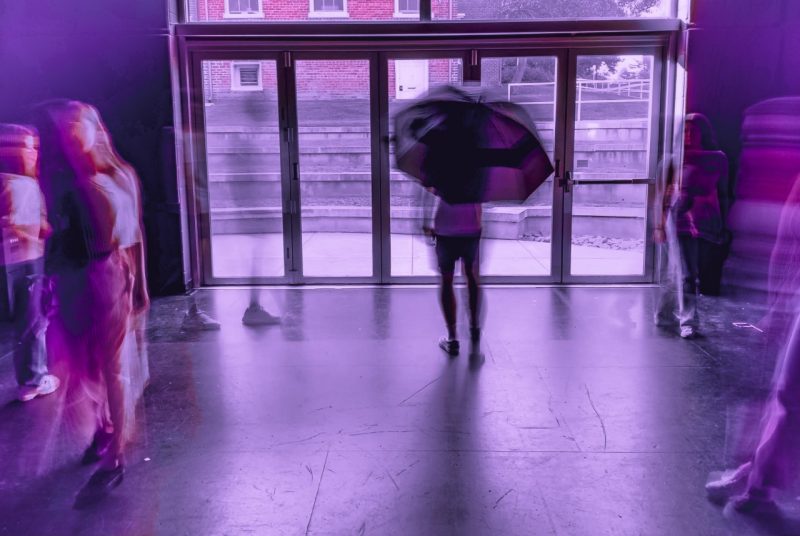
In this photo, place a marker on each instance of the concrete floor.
(584, 419)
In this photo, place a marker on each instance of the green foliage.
(557, 9)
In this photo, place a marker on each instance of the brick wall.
(330, 79)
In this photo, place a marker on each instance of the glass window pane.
(517, 236)
(333, 110)
(244, 176)
(608, 229)
(411, 253)
(613, 129)
(560, 9)
(337, 11)
(613, 99)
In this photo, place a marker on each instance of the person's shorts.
(451, 248)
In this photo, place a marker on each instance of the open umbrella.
(470, 148)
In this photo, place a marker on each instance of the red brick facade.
(324, 79)
(294, 10)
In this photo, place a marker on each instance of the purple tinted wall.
(741, 52)
(114, 55)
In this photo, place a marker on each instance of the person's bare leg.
(474, 293)
(447, 297)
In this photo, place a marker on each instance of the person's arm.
(663, 205)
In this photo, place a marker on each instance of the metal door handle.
(566, 181)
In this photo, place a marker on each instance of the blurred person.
(456, 230)
(195, 319)
(690, 224)
(23, 219)
(773, 463)
(97, 265)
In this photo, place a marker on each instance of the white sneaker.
(729, 483)
(197, 320)
(688, 332)
(255, 315)
(47, 385)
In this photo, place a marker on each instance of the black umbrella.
(470, 148)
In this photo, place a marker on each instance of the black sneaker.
(450, 346)
(99, 486)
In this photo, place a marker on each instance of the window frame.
(227, 14)
(236, 80)
(314, 14)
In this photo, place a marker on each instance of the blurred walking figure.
(774, 461)
(96, 260)
(691, 223)
(467, 147)
(457, 232)
(23, 219)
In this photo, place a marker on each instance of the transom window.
(243, 8)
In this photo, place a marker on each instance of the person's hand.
(659, 236)
(427, 231)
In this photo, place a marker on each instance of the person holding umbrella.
(457, 232)
(467, 148)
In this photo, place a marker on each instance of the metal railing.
(635, 90)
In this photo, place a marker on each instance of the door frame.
(656, 143)
(472, 48)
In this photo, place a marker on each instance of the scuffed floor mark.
(298, 440)
(418, 391)
(310, 472)
(503, 496)
(316, 495)
(392, 479)
(362, 529)
(401, 471)
(602, 423)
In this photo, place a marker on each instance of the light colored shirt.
(463, 219)
(22, 218)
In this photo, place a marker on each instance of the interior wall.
(114, 55)
(741, 52)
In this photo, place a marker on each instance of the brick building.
(331, 80)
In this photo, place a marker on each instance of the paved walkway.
(350, 254)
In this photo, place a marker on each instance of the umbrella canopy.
(470, 148)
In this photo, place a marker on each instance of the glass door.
(407, 76)
(609, 178)
(334, 186)
(522, 240)
(241, 190)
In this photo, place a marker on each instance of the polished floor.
(582, 419)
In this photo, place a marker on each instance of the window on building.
(243, 8)
(406, 8)
(328, 8)
(246, 77)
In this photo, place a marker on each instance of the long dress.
(93, 287)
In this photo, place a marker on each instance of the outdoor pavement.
(350, 254)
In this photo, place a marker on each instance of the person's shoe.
(48, 384)
(99, 486)
(98, 448)
(197, 320)
(255, 315)
(450, 346)
(756, 504)
(688, 332)
(728, 484)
